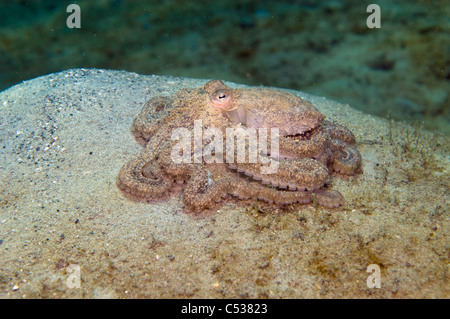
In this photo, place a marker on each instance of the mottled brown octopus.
(310, 149)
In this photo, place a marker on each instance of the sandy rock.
(64, 138)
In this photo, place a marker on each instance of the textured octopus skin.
(311, 150)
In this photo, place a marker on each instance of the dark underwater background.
(399, 71)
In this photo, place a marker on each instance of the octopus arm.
(338, 132)
(150, 119)
(142, 178)
(346, 158)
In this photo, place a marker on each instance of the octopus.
(200, 144)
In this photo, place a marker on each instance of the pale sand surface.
(64, 138)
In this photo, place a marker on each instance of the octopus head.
(264, 108)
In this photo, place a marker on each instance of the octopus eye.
(221, 99)
(221, 95)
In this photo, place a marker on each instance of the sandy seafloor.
(64, 138)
